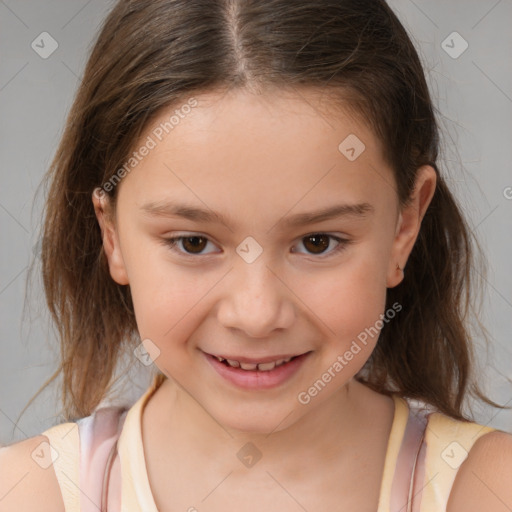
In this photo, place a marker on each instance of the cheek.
(165, 297)
(168, 310)
(350, 298)
(165, 304)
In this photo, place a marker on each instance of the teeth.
(248, 366)
(263, 367)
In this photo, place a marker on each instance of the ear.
(409, 223)
(109, 236)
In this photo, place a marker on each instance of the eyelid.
(173, 241)
(342, 243)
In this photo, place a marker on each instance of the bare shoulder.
(484, 480)
(25, 483)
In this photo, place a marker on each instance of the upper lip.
(254, 360)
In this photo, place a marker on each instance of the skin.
(257, 159)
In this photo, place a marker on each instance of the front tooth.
(287, 360)
(219, 358)
(280, 361)
(234, 364)
(248, 366)
(265, 367)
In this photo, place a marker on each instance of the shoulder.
(27, 481)
(484, 479)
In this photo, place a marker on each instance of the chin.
(262, 420)
(262, 425)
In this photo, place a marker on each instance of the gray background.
(473, 93)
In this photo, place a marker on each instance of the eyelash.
(342, 244)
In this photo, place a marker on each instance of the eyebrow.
(170, 209)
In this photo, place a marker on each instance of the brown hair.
(151, 54)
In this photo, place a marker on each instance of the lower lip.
(256, 379)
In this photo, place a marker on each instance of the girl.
(247, 197)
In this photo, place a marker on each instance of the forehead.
(237, 144)
(305, 113)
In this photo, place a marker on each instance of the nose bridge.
(256, 300)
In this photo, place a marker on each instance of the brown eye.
(317, 243)
(194, 244)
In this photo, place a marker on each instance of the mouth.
(257, 373)
(262, 364)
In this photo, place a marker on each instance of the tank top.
(100, 464)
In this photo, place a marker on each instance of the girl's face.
(292, 233)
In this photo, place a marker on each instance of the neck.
(329, 432)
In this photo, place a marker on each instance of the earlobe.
(109, 235)
(409, 224)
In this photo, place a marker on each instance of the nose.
(257, 300)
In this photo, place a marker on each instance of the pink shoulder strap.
(410, 465)
(98, 434)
